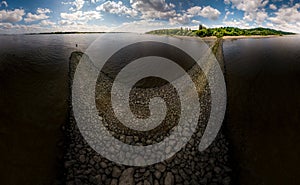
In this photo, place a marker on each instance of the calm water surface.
(263, 113)
(33, 105)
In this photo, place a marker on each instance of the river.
(263, 120)
(33, 105)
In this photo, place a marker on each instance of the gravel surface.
(188, 166)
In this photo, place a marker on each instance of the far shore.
(251, 36)
(229, 37)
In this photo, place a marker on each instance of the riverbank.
(250, 37)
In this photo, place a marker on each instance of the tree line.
(219, 32)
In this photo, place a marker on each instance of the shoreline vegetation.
(221, 32)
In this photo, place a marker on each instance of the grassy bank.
(220, 32)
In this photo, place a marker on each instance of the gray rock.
(114, 182)
(188, 167)
(78, 182)
(116, 172)
(92, 162)
(160, 167)
(127, 177)
(217, 169)
(69, 163)
(82, 158)
(98, 179)
(146, 182)
(168, 149)
(169, 180)
(103, 165)
(178, 179)
(227, 181)
(157, 174)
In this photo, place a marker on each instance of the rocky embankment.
(188, 166)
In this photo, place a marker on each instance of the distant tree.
(200, 27)
(202, 33)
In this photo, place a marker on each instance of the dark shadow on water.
(263, 120)
(33, 109)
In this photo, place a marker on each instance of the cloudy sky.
(142, 15)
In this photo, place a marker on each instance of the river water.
(262, 121)
(33, 105)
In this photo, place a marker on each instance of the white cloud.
(66, 22)
(236, 23)
(184, 19)
(141, 26)
(195, 10)
(154, 9)
(206, 12)
(5, 25)
(287, 15)
(40, 15)
(4, 3)
(253, 10)
(210, 13)
(17, 28)
(227, 1)
(80, 16)
(159, 15)
(117, 8)
(286, 27)
(77, 5)
(94, 1)
(195, 22)
(47, 23)
(227, 14)
(149, 5)
(43, 10)
(259, 17)
(287, 18)
(35, 17)
(11, 16)
(273, 7)
(246, 5)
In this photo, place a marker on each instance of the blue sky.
(143, 15)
